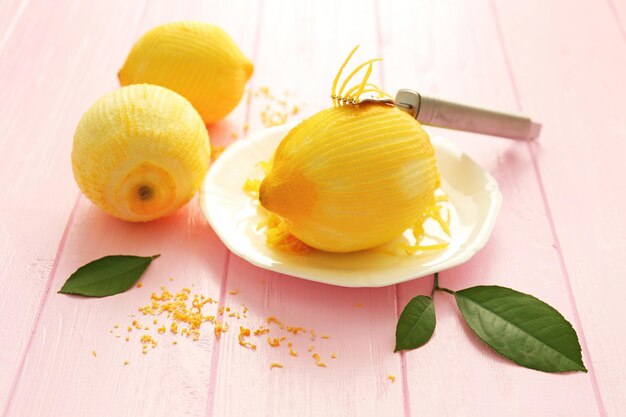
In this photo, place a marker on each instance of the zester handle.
(436, 112)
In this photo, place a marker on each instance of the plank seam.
(215, 356)
(215, 353)
(16, 18)
(550, 218)
(403, 366)
(59, 253)
(618, 21)
(42, 304)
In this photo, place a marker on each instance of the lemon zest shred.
(354, 72)
(336, 80)
(296, 329)
(251, 187)
(276, 365)
(318, 360)
(273, 319)
(259, 332)
(273, 342)
(364, 82)
(243, 333)
(369, 88)
(432, 212)
(218, 329)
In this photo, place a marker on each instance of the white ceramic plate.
(474, 201)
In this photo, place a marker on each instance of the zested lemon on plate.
(197, 60)
(352, 178)
(140, 152)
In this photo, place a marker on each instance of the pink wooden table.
(561, 234)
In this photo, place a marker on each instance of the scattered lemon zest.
(243, 333)
(295, 329)
(273, 342)
(234, 292)
(219, 329)
(139, 285)
(318, 360)
(184, 316)
(273, 319)
(93, 352)
(276, 365)
(263, 330)
(391, 378)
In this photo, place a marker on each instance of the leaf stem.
(436, 286)
(445, 290)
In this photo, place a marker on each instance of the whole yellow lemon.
(197, 60)
(140, 152)
(352, 177)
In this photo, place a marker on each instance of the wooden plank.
(60, 366)
(451, 49)
(60, 376)
(302, 46)
(618, 11)
(11, 11)
(50, 72)
(574, 80)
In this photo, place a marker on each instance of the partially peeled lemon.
(140, 152)
(352, 178)
(197, 60)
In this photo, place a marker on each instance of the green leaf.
(416, 323)
(107, 276)
(522, 328)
